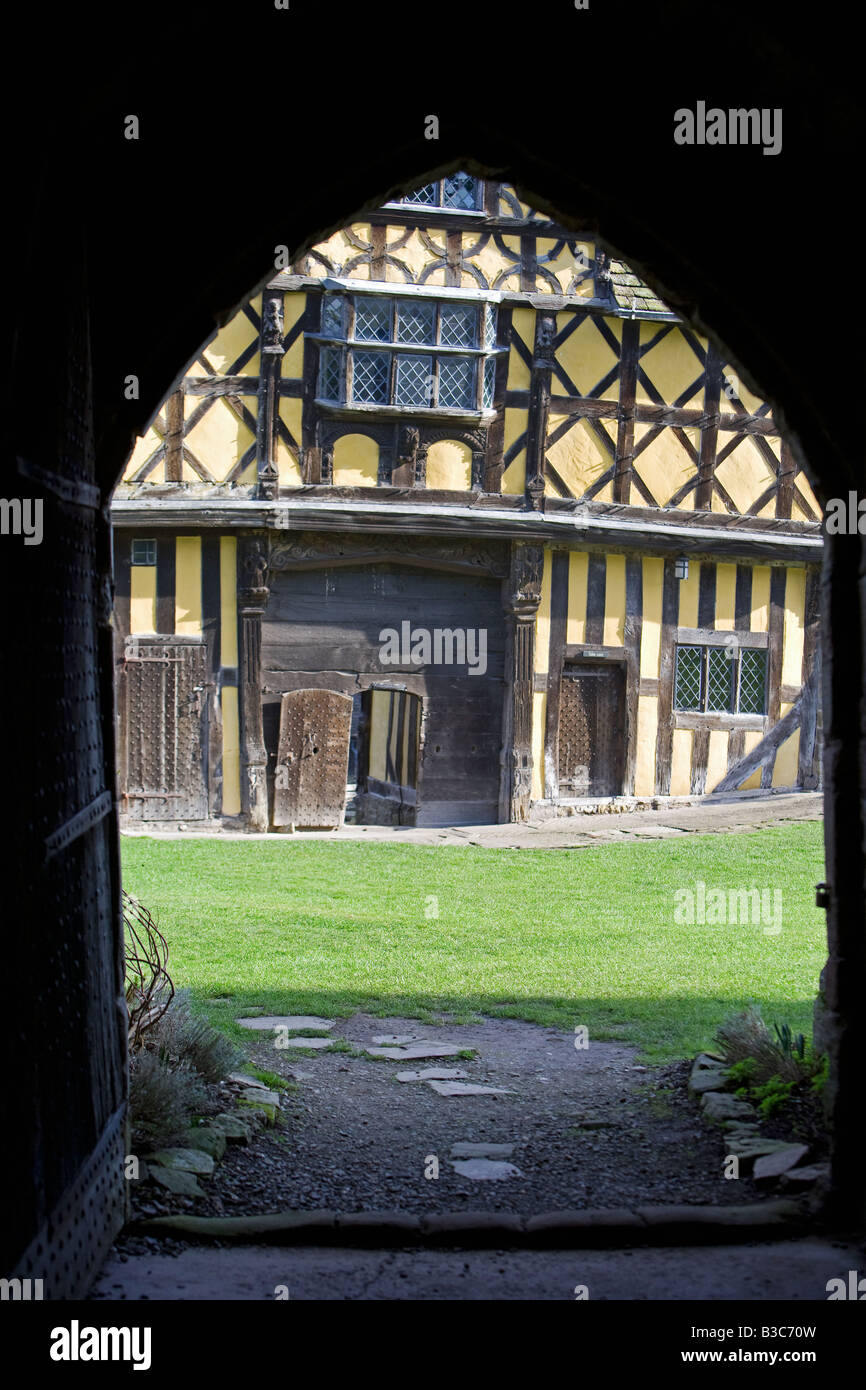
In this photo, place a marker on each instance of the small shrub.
(746, 1035)
(789, 1042)
(182, 1038)
(773, 1095)
(162, 1099)
(820, 1073)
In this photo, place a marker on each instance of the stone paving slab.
(416, 1051)
(432, 1074)
(460, 1088)
(482, 1150)
(269, 1023)
(485, 1169)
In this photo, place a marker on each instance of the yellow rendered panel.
(586, 357)
(671, 366)
(292, 364)
(414, 255)
(760, 599)
(231, 789)
(220, 438)
(146, 445)
(614, 601)
(726, 597)
(291, 411)
(579, 457)
(689, 593)
(681, 762)
(752, 739)
(490, 260)
(542, 618)
(187, 586)
(230, 341)
(563, 268)
(539, 714)
(228, 601)
(647, 729)
(803, 484)
(356, 461)
(449, 465)
(794, 625)
(575, 625)
(142, 598)
(514, 477)
(787, 759)
(605, 495)
(745, 474)
(717, 757)
(750, 401)
(522, 323)
(651, 626)
(664, 466)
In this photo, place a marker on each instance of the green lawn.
(583, 936)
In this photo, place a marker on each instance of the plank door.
(165, 729)
(592, 730)
(312, 759)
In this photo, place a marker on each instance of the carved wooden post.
(252, 601)
(272, 351)
(521, 597)
(539, 408)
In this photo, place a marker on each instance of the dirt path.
(588, 1128)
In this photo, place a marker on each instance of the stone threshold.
(606, 1228)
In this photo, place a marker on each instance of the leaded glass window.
(721, 679)
(460, 191)
(429, 354)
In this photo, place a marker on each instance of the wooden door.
(592, 730)
(164, 704)
(312, 759)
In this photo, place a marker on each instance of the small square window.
(144, 552)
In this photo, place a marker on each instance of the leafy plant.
(182, 1038)
(773, 1095)
(162, 1099)
(746, 1036)
(789, 1042)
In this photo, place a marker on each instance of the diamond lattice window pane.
(330, 374)
(457, 382)
(416, 321)
(489, 383)
(372, 320)
(720, 678)
(753, 681)
(428, 196)
(688, 678)
(460, 191)
(370, 382)
(414, 381)
(458, 325)
(490, 325)
(333, 316)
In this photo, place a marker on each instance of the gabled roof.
(630, 292)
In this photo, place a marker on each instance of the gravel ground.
(590, 1128)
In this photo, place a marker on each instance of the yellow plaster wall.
(145, 445)
(689, 594)
(664, 465)
(542, 617)
(356, 461)
(717, 757)
(449, 465)
(579, 457)
(681, 762)
(651, 626)
(222, 352)
(760, 598)
(787, 758)
(614, 601)
(290, 408)
(578, 569)
(379, 706)
(726, 597)
(539, 716)
(219, 439)
(292, 365)
(794, 629)
(586, 357)
(645, 761)
(187, 587)
(745, 474)
(142, 598)
(671, 366)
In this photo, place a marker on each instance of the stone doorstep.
(778, 1218)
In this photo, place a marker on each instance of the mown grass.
(565, 937)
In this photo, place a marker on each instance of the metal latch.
(822, 895)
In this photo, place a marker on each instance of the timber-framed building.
(454, 519)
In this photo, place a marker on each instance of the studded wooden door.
(312, 759)
(165, 710)
(592, 732)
